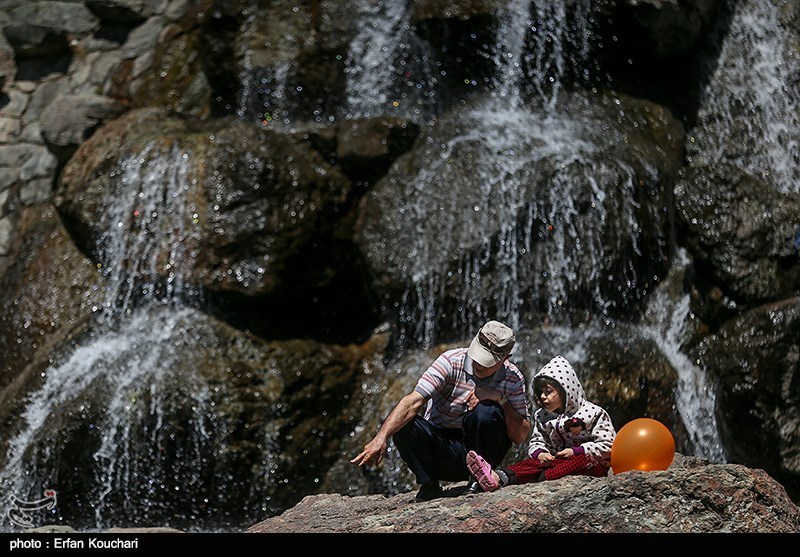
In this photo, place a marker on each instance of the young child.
(571, 436)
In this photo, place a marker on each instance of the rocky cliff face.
(690, 497)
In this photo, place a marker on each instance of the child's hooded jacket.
(549, 432)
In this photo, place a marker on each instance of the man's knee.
(487, 413)
(406, 434)
(402, 435)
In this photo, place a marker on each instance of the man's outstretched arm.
(401, 414)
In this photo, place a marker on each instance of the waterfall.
(149, 229)
(265, 92)
(751, 106)
(371, 62)
(542, 199)
(128, 370)
(122, 376)
(388, 69)
(511, 134)
(666, 320)
(750, 118)
(509, 51)
(265, 96)
(509, 146)
(552, 31)
(248, 85)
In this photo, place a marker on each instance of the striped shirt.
(448, 382)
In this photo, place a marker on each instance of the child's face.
(550, 399)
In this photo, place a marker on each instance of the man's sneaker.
(428, 492)
(473, 487)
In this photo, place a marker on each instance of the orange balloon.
(642, 444)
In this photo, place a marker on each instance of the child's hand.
(546, 458)
(566, 453)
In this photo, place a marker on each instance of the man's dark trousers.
(435, 453)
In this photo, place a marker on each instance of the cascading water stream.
(265, 91)
(511, 139)
(129, 361)
(388, 69)
(370, 67)
(666, 321)
(751, 105)
(508, 53)
(508, 146)
(148, 233)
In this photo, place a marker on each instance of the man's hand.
(374, 450)
(401, 414)
(482, 393)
